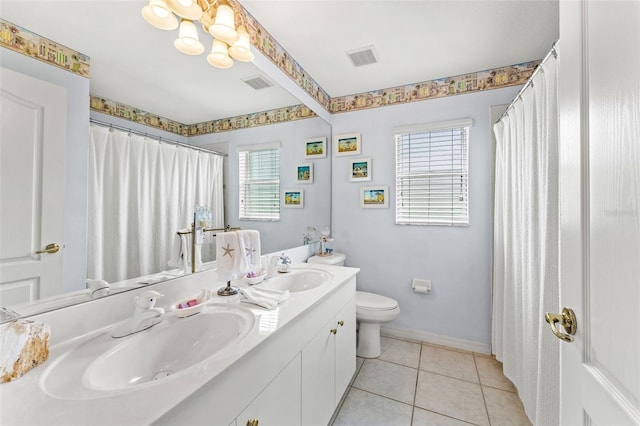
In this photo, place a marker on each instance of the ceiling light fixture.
(217, 18)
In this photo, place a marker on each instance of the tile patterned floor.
(414, 384)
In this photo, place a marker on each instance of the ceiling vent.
(363, 56)
(257, 82)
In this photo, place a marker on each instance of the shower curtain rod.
(529, 82)
(159, 138)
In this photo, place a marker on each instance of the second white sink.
(298, 279)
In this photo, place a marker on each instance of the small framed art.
(304, 173)
(347, 144)
(360, 169)
(372, 197)
(315, 147)
(294, 198)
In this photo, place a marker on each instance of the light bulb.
(219, 57)
(186, 8)
(187, 41)
(158, 14)
(241, 48)
(224, 27)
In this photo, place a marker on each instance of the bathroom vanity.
(235, 363)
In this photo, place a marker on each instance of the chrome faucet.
(145, 315)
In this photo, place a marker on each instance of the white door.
(599, 100)
(33, 125)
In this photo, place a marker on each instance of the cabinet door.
(279, 403)
(345, 351)
(318, 381)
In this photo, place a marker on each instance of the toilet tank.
(335, 258)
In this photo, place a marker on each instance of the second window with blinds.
(432, 174)
(259, 182)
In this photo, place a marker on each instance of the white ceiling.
(136, 64)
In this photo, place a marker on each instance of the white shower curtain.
(141, 192)
(525, 274)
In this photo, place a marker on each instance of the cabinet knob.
(334, 330)
(341, 323)
(252, 422)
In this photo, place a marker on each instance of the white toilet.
(371, 311)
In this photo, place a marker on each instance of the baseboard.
(436, 339)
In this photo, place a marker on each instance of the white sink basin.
(298, 279)
(103, 365)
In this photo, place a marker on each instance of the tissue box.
(25, 345)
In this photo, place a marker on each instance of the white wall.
(76, 150)
(456, 259)
(288, 231)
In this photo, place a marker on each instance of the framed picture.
(304, 173)
(294, 198)
(347, 144)
(374, 197)
(360, 169)
(315, 147)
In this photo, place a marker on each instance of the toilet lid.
(334, 259)
(374, 302)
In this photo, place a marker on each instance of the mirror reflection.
(108, 244)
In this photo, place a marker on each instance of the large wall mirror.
(84, 25)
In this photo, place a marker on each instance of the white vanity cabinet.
(296, 376)
(328, 364)
(279, 403)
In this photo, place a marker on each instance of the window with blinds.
(432, 174)
(259, 183)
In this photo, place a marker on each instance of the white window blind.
(432, 174)
(259, 183)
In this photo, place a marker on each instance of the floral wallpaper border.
(512, 75)
(265, 43)
(279, 115)
(30, 44)
(496, 78)
(449, 86)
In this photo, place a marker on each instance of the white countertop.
(24, 401)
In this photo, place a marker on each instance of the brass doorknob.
(333, 330)
(252, 422)
(50, 249)
(341, 323)
(567, 320)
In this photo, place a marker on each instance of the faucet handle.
(148, 299)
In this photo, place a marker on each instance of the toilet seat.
(374, 302)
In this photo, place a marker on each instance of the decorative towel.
(232, 263)
(180, 250)
(250, 243)
(265, 297)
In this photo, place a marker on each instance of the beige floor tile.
(451, 397)
(505, 408)
(449, 363)
(359, 363)
(400, 352)
(366, 409)
(429, 418)
(490, 372)
(387, 379)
